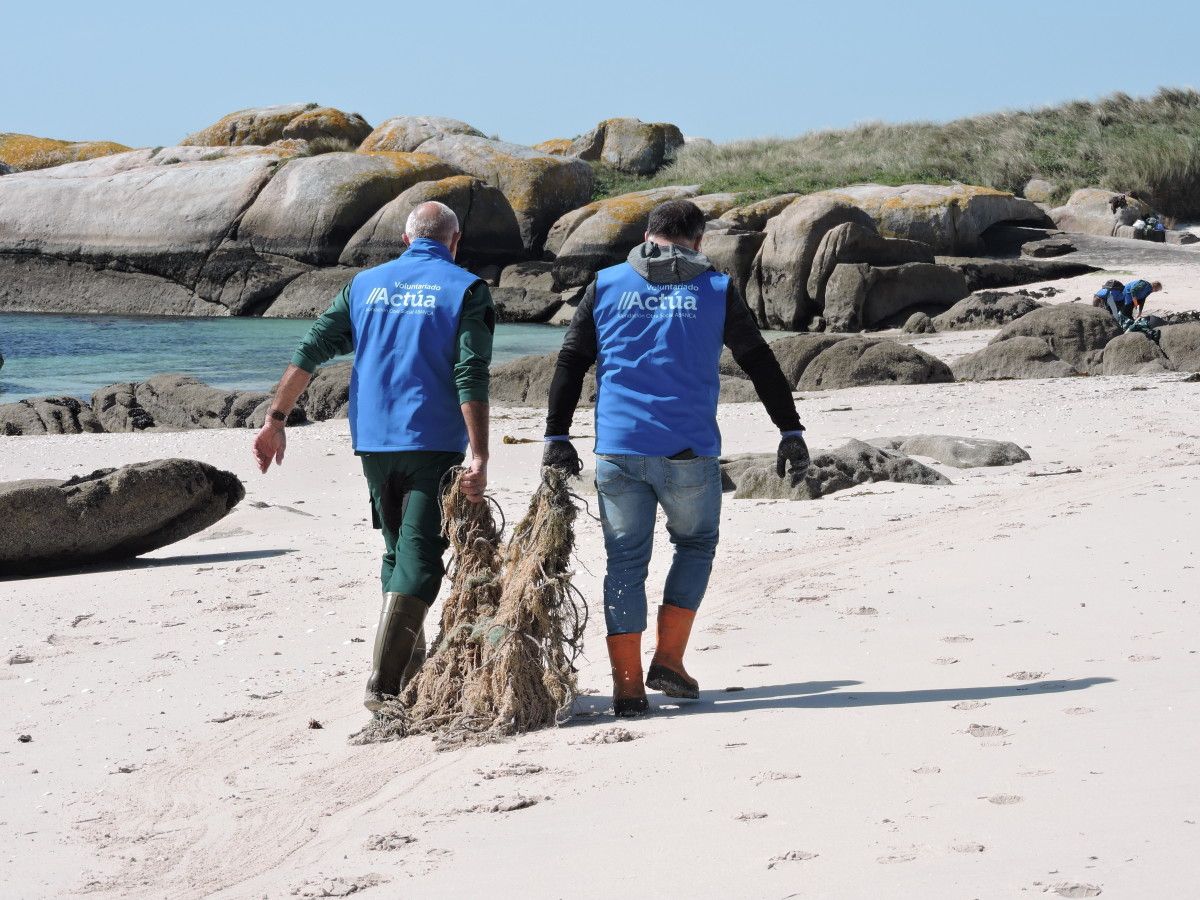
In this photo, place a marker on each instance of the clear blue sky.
(147, 73)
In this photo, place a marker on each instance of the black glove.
(561, 455)
(792, 456)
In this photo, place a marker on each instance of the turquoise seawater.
(67, 355)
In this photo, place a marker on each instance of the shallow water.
(69, 355)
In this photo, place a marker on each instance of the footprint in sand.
(750, 816)
(1072, 889)
(1137, 657)
(1025, 675)
(969, 704)
(504, 804)
(862, 611)
(612, 735)
(981, 731)
(967, 848)
(391, 841)
(1004, 799)
(927, 770)
(775, 776)
(791, 856)
(510, 770)
(338, 886)
(901, 857)
(1079, 711)
(945, 661)
(958, 639)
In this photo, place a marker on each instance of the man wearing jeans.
(654, 326)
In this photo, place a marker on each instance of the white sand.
(845, 768)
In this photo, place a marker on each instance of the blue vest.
(656, 370)
(405, 317)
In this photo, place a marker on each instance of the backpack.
(1113, 285)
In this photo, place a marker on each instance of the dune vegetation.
(1147, 145)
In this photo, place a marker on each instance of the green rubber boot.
(401, 630)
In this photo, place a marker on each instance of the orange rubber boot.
(625, 653)
(667, 673)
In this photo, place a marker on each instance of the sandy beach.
(981, 690)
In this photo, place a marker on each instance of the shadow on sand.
(827, 695)
(155, 562)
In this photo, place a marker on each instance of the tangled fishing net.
(511, 627)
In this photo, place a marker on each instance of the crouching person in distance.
(654, 326)
(421, 330)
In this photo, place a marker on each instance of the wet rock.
(986, 309)
(180, 402)
(309, 295)
(1133, 353)
(110, 515)
(1072, 331)
(1017, 357)
(328, 394)
(858, 362)
(1181, 343)
(47, 415)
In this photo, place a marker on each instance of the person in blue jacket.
(1129, 300)
(421, 330)
(654, 327)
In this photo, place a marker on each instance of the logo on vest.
(407, 299)
(677, 304)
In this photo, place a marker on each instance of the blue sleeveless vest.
(405, 317)
(656, 370)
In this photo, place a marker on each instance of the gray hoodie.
(670, 264)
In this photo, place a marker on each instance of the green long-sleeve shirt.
(332, 335)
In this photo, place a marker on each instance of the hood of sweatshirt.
(671, 264)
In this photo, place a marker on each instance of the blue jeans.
(631, 488)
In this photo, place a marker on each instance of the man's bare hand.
(269, 445)
(474, 480)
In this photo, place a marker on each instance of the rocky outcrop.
(311, 209)
(27, 153)
(529, 305)
(1181, 344)
(539, 187)
(180, 402)
(324, 127)
(960, 452)
(602, 233)
(852, 243)
(630, 145)
(992, 274)
(732, 250)
(1133, 353)
(1047, 247)
(1039, 190)
(555, 146)
(526, 382)
(404, 134)
(859, 296)
(793, 352)
(1072, 331)
(309, 295)
(778, 289)
(715, 205)
(110, 515)
(853, 464)
(754, 216)
(47, 415)
(1092, 211)
(489, 225)
(328, 394)
(986, 309)
(1018, 357)
(858, 362)
(950, 218)
(919, 323)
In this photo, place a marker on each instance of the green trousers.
(406, 502)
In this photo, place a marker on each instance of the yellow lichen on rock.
(555, 146)
(26, 152)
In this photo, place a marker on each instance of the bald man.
(421, 330)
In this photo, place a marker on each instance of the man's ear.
(646, 236)
(453, 248)
(407, 240)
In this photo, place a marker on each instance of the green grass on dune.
(1149, 145)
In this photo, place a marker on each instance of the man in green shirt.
(421, 329)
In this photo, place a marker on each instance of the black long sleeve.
(577, 355)
(753, 354)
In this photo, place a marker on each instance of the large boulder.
(323, 128)
(309, 295)
(539, 187)
(754, 216)
(404, 134)
(5, 169)
(489, 225)
(527, 305)
(26, 153)
(526, 382)
(793, 352)
(950, 218)
(110, 515)
(919, 323)
(859, 362)
(859, 296)
(732, 250)
(850, 465)
(602, 233)
(852, 243)
(630, 145)
(1018, 357)
(1181, 343)
(960, 452)
(1092, 211)
(990, 274)
(179, 402)
(986, 309)
(47, 415)
(328, 394)
(714, 205)
(1039, 190)
(1073, 331)
(1133, 353)
(311, 209)
(778, 289)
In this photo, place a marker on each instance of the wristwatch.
(278, 415)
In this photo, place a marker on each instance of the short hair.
(1156, 285)
(432, 220)
(676, 220)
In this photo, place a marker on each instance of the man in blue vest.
(654, 326)
(421, 330)
(1126, 300)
